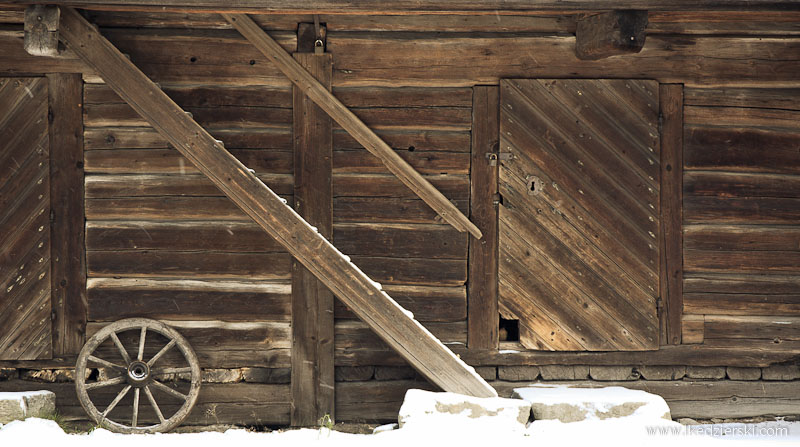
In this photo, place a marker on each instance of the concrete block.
(426, 409)
(24, 404)
(564, 372)
(705, 372)
(487, 372)
(735, 373)
(613, 373)
(568, 403)
(662, 372)
(518, 373)
(781, 372)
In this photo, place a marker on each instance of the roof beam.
(351, 123)
(382, 7)
(365, 297)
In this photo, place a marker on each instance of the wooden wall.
(162, 242)
(741, 214)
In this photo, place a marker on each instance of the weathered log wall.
(163, 242)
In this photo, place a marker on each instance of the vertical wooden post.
(483, 323)
(312, 302)
(68, 263)
(671, 239)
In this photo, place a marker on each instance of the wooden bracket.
(610, 34)
(41, 30)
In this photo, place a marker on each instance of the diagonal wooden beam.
(365, 297)
(350, 122)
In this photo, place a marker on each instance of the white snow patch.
(450, 410)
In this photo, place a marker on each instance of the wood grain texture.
(68, 250)
(263, 206)
(570, 287)
(350, 122)
(671, 234)
(25, 239)
(483, 254)
(312, 302)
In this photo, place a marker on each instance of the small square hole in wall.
(509, 329)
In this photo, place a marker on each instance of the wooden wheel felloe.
(132, 357)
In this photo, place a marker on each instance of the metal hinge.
(502, 156)
(659, 303)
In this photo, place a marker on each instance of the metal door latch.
(502, 156)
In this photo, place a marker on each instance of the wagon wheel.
(141, 372)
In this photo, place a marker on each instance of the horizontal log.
(427, 303)
(373, 401)
(738, 184)
(767, 98)
(424, 162)
(412, 6)
(357, 345)
(122, 115)
(742, 117)
(736, 261)
(346, 209)
(752, 327)
(201, 96)
(741, 150)
(264, 266)
(169, 161)
(196, 264)
(741, 237)
(740, 304)
(744, 210)
(388, 240)
(741, 284)
(344, 185)
(218, 344)
(235, 404)
(111, 299)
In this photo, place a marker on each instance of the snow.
(595, 403)
(455, 432)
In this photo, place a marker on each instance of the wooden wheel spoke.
(141, 343)
(184, 369)
(153, 403)
(105, 383)
(105, 363)
(161, 352)
(121, 348)
(116, 400)
(169, 390)
(135, 417)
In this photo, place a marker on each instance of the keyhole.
(535, 185)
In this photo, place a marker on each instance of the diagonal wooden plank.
(365, 297)
(350, 122)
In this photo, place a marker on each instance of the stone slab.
(24, 404)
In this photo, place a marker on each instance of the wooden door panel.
(579, 223)
(25, 327)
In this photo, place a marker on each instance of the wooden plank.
(428, 355)
(342, 115)
(188, 299)
(743, 117)
(786, 261)
(768, 98)
(483, 281)
(741, 294)
(671, 234)
(741, 149)
(145, 185)
(774, 328)
(692, 329)
(741, 210)
(411, 6)
(25, 303)
(312, 302)
(740, 237)
(740, 184)
(427, 303)
(68, 274)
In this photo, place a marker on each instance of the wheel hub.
(138, 372)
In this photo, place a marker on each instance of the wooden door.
(579, 221)
(25, 325)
